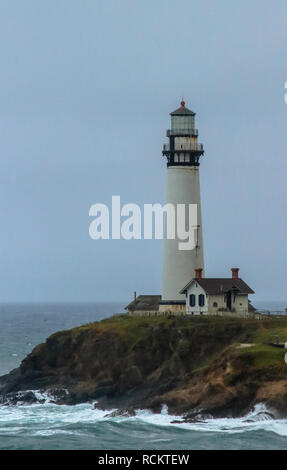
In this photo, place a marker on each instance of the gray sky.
(86, 90)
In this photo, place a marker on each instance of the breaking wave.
(51, 426)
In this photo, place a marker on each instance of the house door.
(229, 300)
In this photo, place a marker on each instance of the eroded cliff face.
(216, 366)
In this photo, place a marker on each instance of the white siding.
(215, 304)
(196, 290)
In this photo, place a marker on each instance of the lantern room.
(182, 119)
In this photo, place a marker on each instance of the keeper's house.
(218, 296)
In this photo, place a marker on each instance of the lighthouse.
(182, 154)
(185, 289)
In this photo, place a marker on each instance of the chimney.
(135, 296)
(198, 273)
(234, 273)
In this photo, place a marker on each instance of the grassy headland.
(220, 365)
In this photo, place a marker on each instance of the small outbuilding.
(144, 305)
(217, 295)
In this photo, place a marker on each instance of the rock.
(195, 367)
(128, 412)
(20, 398)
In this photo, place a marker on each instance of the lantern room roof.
(182, 111)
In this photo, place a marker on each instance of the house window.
(201, 300)
(215, 304)
(192, 300)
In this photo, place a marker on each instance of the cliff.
(218, 366)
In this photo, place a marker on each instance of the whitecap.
(258, 419)
(49, 417)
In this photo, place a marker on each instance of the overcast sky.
(86, 90)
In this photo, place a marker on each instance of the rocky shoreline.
(199, 367)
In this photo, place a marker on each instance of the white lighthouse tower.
(183, 153)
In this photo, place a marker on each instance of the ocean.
(50, 426)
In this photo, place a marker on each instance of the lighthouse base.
(172, 306)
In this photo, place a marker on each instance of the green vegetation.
(267, 331)
(182, 331)
(264, 357)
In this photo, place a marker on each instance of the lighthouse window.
(192, 300)
(182, 122)
(201, 300)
